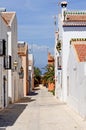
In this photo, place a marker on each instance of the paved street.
(40, 111)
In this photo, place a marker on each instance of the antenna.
(55, 23)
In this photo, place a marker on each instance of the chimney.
(63, 5)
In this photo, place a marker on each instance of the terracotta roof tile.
(7, 17)
(80, 51)
(75, 19)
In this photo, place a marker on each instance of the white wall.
(3, 72)
(77, 84)
(9, 71)
(12, 50)
(31, 71)
(57, 72)
(67, 36)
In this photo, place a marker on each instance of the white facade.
(66, 33)
(76, 83)
(11, 85)
(57, 72)
(3, 72)
(31, 71)
(15, 84)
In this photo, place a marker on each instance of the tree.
(37, 76)
(49, 78)
(49, 74)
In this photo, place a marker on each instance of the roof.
(8, 17)
(75, 18)
(80, 49)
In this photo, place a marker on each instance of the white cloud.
(36, 47)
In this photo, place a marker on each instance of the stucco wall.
(12, 50)
(3, 72)
(77, 84)
(67, 36)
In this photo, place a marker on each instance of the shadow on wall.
(9, 115)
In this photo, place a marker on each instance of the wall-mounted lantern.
(21, 73)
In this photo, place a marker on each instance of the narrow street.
(40, 111)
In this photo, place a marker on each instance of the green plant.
(49, 74)
(58, 46)
(37, 75)
(53, 92)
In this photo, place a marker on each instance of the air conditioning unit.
(7, 62)
(2, 47)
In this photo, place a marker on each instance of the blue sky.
(36, 23)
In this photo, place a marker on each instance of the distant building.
(50, 59)
(23, 53)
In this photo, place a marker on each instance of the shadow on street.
(26, 100)
(32, 93)
(9, 115)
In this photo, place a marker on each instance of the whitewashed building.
(12, 56)
(3, 72)
(76, 76)
(23, 53)
(11, 22)
(11, 84)
(71, 24)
